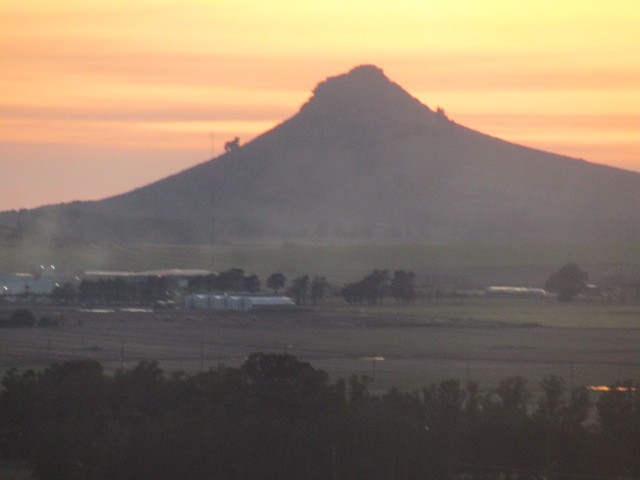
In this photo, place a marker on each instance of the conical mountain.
(365, 160)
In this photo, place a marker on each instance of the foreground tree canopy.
(276, 417)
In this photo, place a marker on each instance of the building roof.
(173, 272)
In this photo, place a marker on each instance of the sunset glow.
(100, 97)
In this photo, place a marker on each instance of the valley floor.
(481, 340)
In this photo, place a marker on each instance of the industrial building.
(41, 282)
(235, 302)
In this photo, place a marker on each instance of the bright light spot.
(605, 388)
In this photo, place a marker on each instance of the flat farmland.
(394, 346)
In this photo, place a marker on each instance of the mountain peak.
(364, 90)
(364, 72)
(365, 160)
(363, 78)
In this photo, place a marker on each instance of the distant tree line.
(302, 289)
(276, 417)
(400, 285)
(151, 289)
(379, 284)
(568, 282)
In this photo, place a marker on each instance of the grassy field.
(481, 340)
(530, 264)
(513, 311)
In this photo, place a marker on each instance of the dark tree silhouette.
(371, 289)
(276, 417)
(299, 289)
(567, 282)
(276, 281)
(230, 280)
(232, 144)
(403, 286)
(251, 284)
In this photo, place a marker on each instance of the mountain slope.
(363, 159)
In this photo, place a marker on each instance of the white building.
(42, 282)
(239, 303)
(515, 291)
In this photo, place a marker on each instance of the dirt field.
(395, 350)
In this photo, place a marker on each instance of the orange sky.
(100, 97)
